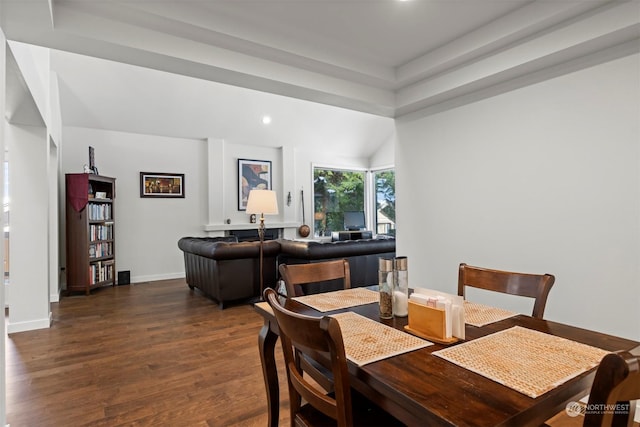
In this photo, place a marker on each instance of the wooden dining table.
(421, 389)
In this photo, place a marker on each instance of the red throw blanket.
(78, 190)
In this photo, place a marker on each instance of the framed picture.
(252, 174)
(161, 185)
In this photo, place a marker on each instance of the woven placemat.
(329, 301)
(525, 360)
(367, 341)
(479, 315)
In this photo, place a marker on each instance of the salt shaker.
(401, 287)
(385, 286)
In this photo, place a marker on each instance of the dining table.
(420, 388)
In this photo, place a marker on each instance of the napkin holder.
(428, 323)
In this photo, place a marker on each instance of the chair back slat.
(535, 286)
(295, 276)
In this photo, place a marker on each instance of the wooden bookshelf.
(90, 231)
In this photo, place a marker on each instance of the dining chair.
(320, 337)
(617, 381)
(522, 284)
(297, 276)
(616, 385)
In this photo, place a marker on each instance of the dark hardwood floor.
(147, 354)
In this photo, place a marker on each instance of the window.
(385, 207)
(334, 193)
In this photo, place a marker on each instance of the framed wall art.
(252, 174)
(161, 185)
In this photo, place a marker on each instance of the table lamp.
(263, 202)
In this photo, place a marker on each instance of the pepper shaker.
(385, 287)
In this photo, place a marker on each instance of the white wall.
(384, 157)
(544, 179)
(3, 381)
(146, 230)
(224, 191)
(29, 244)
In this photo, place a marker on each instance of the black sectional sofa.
(226, 270)
(362, 256)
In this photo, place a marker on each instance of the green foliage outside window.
(385, 182)
(336, 192)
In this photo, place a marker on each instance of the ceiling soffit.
(535, 36)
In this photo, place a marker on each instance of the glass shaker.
(385, 286)
(401, 287)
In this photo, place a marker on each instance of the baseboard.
(29, 326)
(54, 297)
(154, 277)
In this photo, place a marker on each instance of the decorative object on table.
(436, 316)
(161, 185)
(263, 202)
(252, 175)
(92, 162)
(401, 287)
(385, 287)
(429, 323)
(252, 218)
(304, 229)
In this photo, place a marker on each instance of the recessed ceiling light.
(266, 120)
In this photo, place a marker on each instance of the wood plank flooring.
(147, 354)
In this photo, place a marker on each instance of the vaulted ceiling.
(386, 58)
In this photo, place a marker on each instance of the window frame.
(374, 198)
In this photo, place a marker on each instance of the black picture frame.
(161, 185)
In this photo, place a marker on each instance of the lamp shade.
(262, 202)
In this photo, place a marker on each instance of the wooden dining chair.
(617, 381)
(615, 386)
(523, 284)
(320, 337)
(297, 276)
